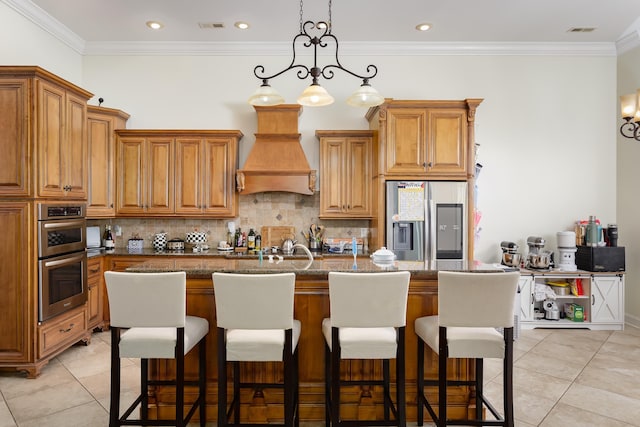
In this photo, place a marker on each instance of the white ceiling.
(100, 22)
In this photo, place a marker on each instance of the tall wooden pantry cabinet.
(43, 135)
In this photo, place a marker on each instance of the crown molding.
(628, 42)
(48, 23)
(75, 42)
(351, 48)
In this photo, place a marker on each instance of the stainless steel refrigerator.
(427, 220)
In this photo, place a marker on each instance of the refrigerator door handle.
(430, 230)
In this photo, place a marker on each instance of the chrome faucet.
(307, 251)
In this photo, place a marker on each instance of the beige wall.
(628, 177)
(24, 43)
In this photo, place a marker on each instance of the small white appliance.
(566, 250)
(93, 238)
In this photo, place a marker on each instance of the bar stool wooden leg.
(114, 404)
(442, 378)
(400, 380)
(222, 380)
(335, 377)
(420, 380)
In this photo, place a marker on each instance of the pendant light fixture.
(315, 95)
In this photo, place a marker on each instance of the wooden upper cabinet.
(220, 164)
(205, 163)
(406, 144)
(102, 123)
(15, 144)
(204, 176)
(447, 148)
(62, 142)
(345, 174)
(145, 175)
(425, 139)
(43, 135)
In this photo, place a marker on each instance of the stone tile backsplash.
(256, 210)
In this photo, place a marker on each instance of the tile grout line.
(595, 353)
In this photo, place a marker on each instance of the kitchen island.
(311, 306)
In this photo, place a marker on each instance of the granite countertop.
(214, 253)
(204, 267)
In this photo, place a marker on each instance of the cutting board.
(272, 234)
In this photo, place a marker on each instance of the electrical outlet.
(118, 230)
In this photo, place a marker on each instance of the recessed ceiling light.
(423, 27)
(241, 25)
(154, 25)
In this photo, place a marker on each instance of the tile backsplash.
(256, 210)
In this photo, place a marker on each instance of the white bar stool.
(254, 314)
(152, 308)
(470, 308)
(368, 318)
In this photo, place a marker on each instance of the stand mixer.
(510, 255)
(538, 258)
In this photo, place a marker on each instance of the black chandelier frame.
(308, 40)
(630, 129)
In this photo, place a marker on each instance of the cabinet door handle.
(64, 331)
(94, 271)
(593, 300)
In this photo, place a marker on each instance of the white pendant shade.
(265, 95)
(628, 105)
(365, 96)
(315, 96)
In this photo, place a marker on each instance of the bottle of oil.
(258, 243)
(251, 240)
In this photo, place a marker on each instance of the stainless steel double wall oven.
(62, 258)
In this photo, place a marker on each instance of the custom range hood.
(276, 161)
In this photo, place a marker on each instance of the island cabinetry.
(425, 139)
(311, 305)
(345, 173)
(43, 135)
(177, 173)
(96, 292)
(600, 297)
(102, 123)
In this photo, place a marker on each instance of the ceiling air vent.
(581, 29)
(210, 25)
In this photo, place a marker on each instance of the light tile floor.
(562, 378)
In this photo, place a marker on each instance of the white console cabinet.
(602, 299)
